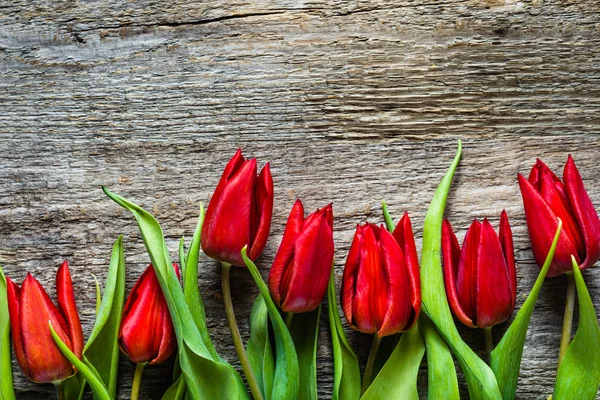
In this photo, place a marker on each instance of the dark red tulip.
(381, 288)
(147, 334)
(480, 278)
(239, 212)
(301, 269)
(546, 199)
(31, 310)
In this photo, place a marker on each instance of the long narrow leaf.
(440, 365)
(175, 391)
(7, 391)
(304, 329)
(346, 371)
(480, 378)
(578, 376)
(398, 377)
(285, 383)
(100, 391)
(259, 350)
(204, 376)
(505, 360)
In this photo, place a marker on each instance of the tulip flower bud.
(480, 278)
(301, 269)
(239, 212)
(30, 310)
(147, 334)
(381, 288)
(546, 199)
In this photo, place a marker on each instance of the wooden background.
(351, 101)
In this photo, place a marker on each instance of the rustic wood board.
(352, 102)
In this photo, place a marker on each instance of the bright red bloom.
(239, 212)
(30, 310)
(381, 287)
(545, 199)
(301, 269)
(147, 334)
(481, 280)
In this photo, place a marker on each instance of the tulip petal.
(285, 253)
(350, 275)
(263, 211)
(451, 256)
(223, 236)
(403, 234)
(313, 257)
(541, 222)
(68, 308)
(46, 362)
(399, 313)
(14, 295)
(494, 292)
(506, 241)
(584, 212)
(466, 282)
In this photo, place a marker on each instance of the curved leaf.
(176, 391)
(205, 376)
(440, 365)
(86, 370)
(505, 360)
(401, 368)
(578, 375)
(480, 378)
(7, 391)
(304, 328)
(258, 349)
(346, 371)
(285, 382)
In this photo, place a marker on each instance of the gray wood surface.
(352, 102)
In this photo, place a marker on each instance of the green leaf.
(102, 347)
(304, 328)
(176, 391)
(205, 376)
(440, 365)
(480, 378)
(505, 360)
(578, 375)
(388, 219)
(259, 350)
(398, 377)
(7, 391)
(285, 382)
(346, 371)
(85, 369)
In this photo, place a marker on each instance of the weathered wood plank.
(352, 103)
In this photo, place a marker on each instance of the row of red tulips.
(381, 292)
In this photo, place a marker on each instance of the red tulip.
(545, 199)
(381, 289)
(481, 281)
(31, 310)
(147, 334)
(239, 212)
(300, 273)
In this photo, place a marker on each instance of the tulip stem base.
(489, 342)
(368, 376)
(60, 390)
(235, 333)
(137, 381)
(565, 339)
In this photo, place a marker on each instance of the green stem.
(137, 381)
(367, 377)
(60, 390)
(288, 319)
(565, 339)
(489, 343)
(235, 333)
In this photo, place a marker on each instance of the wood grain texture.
(352, 102)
